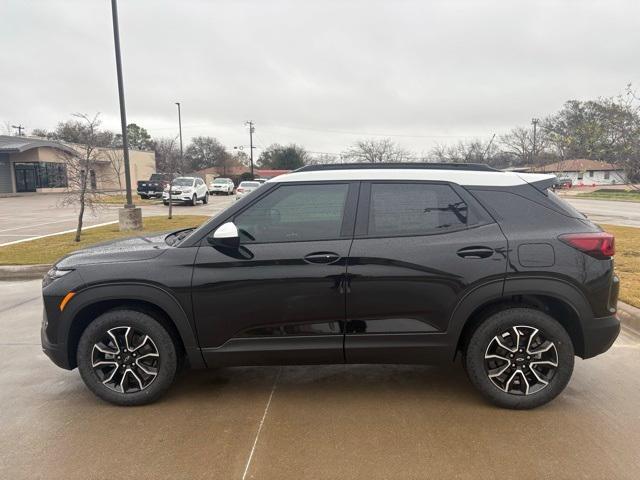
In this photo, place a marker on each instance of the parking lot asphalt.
(370, 422)
(29, 216)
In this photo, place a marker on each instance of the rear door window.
(397, 209)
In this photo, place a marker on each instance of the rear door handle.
(475, 252)
(322, 257)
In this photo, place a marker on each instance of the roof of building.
(233, 170)
(12, 144)
(269, 173)
(576, 165)
(462, 177)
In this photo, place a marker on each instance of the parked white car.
(187, 190)
(245, 188)
(221, 186)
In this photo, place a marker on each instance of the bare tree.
(82, 163)
(168, 156)
(115, 156)
(375, 151)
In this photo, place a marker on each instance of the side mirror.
(225, 236)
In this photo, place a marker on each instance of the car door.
(419, 248)
(200, 188)
(279, 298)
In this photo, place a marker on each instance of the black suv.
(400, 263)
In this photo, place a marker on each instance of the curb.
(23, 272)
(629, 317)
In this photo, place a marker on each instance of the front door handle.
(475, 252)
(322, 257)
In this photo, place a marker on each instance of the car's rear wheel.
(127, 358)
(205, 200)
(519, 358)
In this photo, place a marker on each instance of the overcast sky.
(319, 73)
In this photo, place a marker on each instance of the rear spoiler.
(540, 181)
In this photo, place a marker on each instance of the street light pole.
(130, 218)
(180, 129)
(534, 121)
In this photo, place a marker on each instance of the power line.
(348, 132)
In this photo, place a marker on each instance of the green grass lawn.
(627, 262)
(118, 199)
(612, 194)
(49, 249)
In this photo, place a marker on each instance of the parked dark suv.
(401, 263)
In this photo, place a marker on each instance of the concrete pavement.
(29, 216)
(373, 422)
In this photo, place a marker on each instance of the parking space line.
(70, 219)
(264, 416)
(57, 233)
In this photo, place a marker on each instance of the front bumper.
(57, 352)
(599, 334)
(185, 197)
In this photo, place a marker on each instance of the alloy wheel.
(521, 360)
(125, 360)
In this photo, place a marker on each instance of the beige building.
(38, 165)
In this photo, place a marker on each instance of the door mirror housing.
(225, 236)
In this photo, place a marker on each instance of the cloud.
(317, 73)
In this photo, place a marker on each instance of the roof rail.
(477, 167)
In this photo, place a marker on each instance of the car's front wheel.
(519, 358)
(127, 358)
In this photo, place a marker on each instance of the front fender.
(132, 291)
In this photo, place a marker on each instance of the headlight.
(52, 275)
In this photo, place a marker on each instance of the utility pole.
(20, 128)
(486, 150)
(130, 217)
(534, 121)
(251, 147)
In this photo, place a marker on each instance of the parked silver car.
(245, 188)
(223, 186)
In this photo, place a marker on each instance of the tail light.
(598, 244)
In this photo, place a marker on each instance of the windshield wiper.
(176, 237)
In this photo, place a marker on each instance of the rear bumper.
(599, 334)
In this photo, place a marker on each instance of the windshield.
(250, 184)
(183, 182)
(221, 180)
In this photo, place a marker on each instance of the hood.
(115, 251)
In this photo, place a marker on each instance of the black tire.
(144, 197)
(194, 200)
(518, 366)
(205, 200)
(143, 325)
(166, 203)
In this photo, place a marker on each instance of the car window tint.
(295, 213)
(414, 209)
